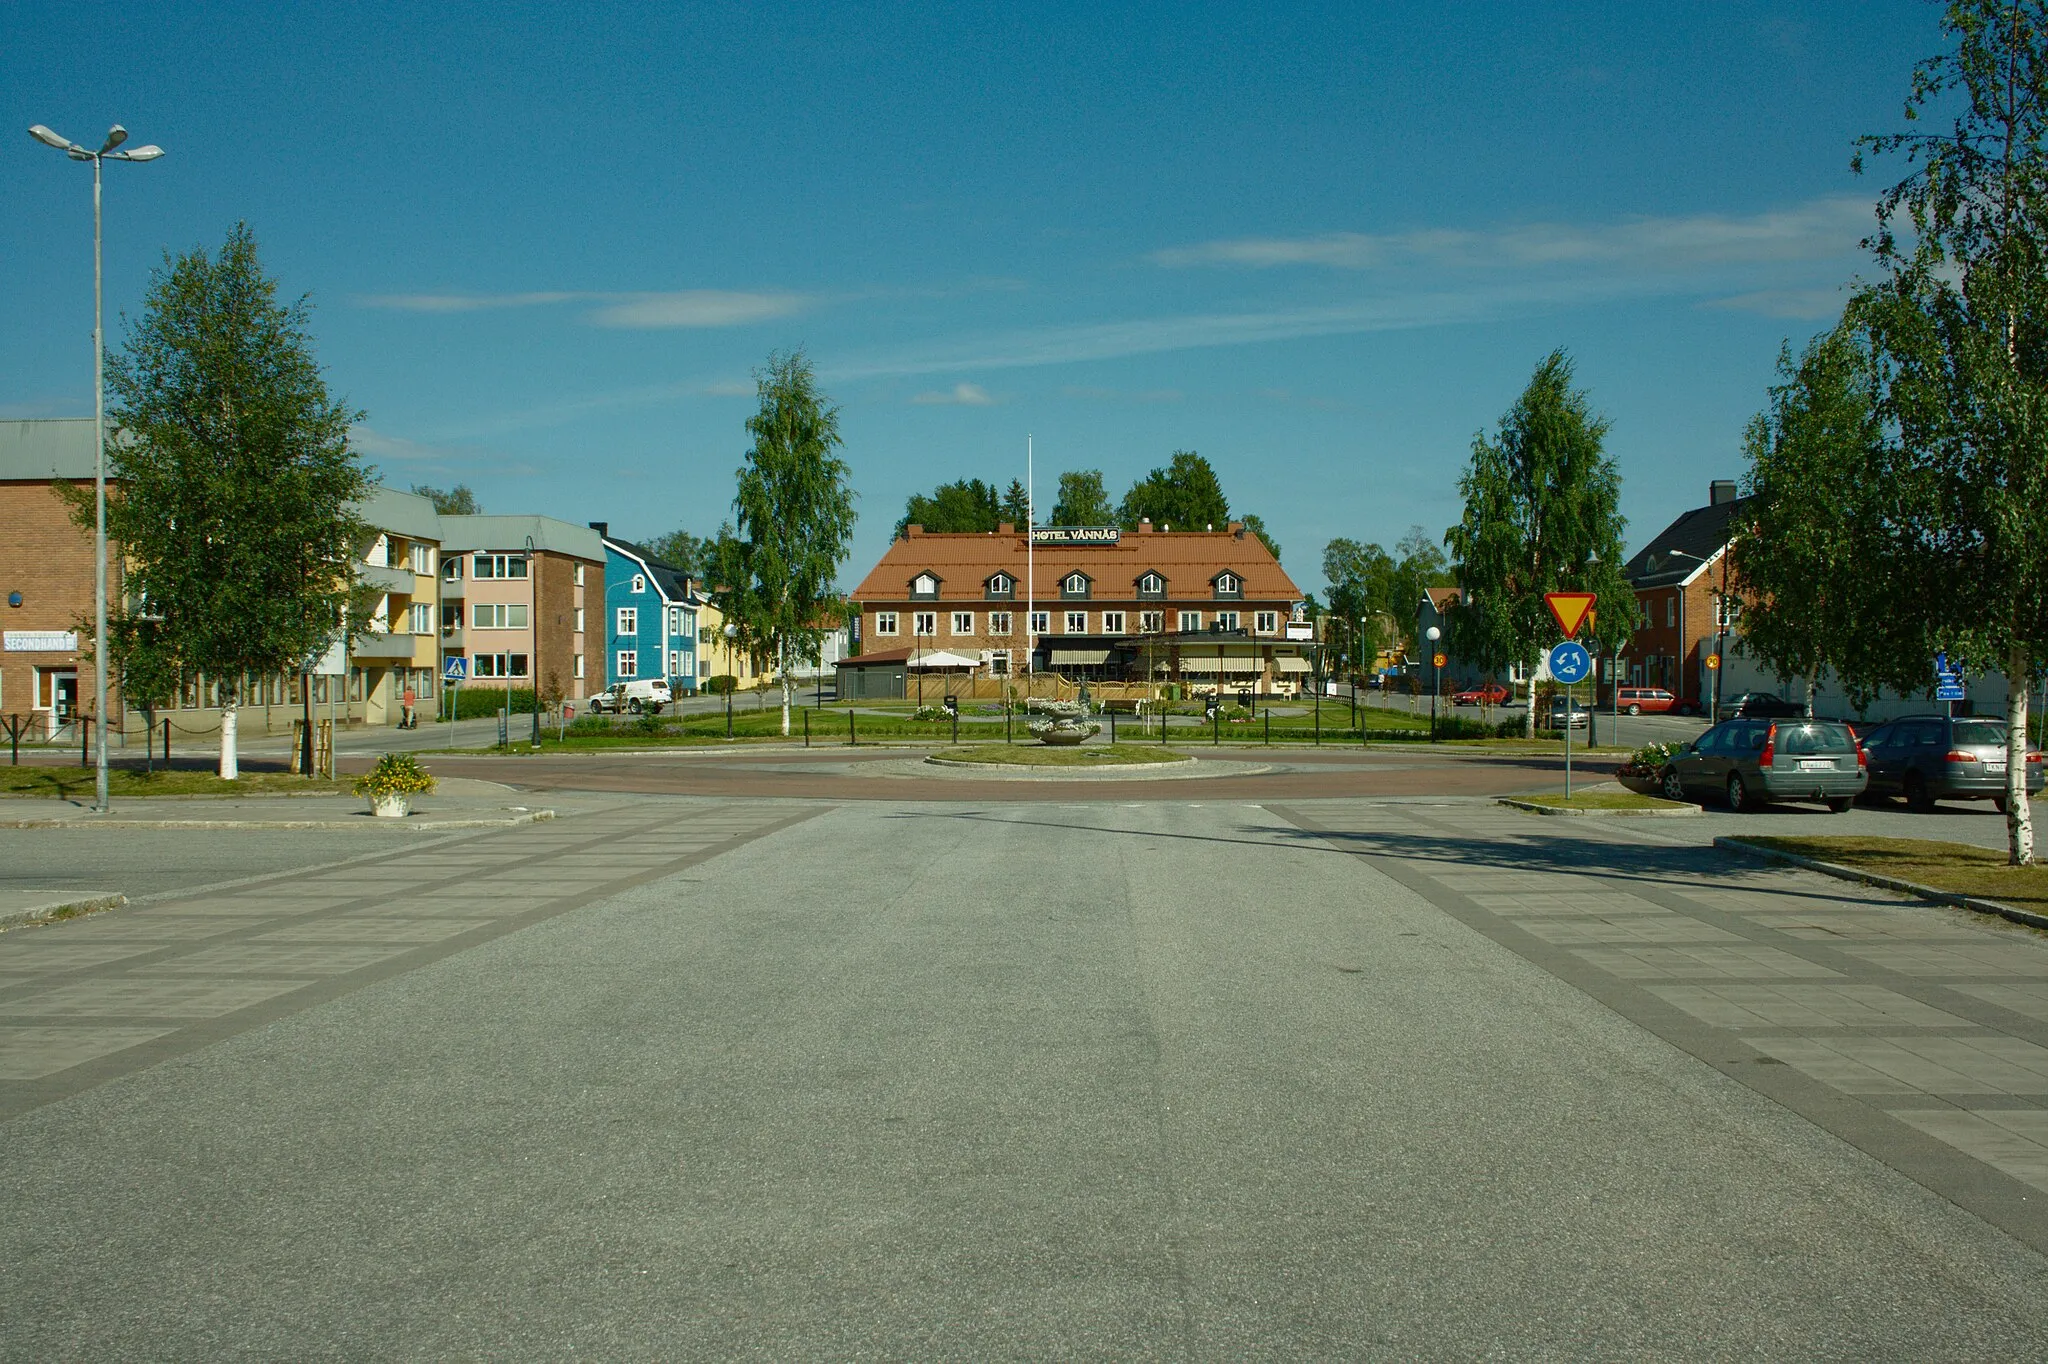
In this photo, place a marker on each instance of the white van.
(648, 694)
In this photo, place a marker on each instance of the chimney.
(1719, 491)
(1005, 528)
(603, 528)
(1144, 525)
(1237, 528)
(909, 531)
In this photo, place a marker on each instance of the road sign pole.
(1567, 743)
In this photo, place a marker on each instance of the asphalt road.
(1183, 1078)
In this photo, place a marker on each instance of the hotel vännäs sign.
(1076, 535)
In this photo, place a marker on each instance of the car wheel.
(1674, 789)
(1839, 805)
(1634, 709)
(634, 705)
(1918, 799)
(1738, 792)
(1998, 804)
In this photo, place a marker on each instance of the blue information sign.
(455, 669)
(1569, 662)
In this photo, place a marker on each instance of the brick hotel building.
(1202, 608)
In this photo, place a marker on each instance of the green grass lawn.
(1605, 800)
(70, 783)
(1047, 755)
(1957, 868)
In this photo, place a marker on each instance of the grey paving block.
(145, 997)
(371, 928)
(2012, 956)
(1852, 925)
(1704, 963)
(29, 1053)
(2013, 1141)
(2026, 999)
(1668, 928)
(33, 951)
(262, 959)
(1759, 1005)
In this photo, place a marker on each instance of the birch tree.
(1541, 515)
(793, 514)
(1960, 322)
(236, 485)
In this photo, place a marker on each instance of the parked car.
(1645, 700)
(1927, 758)
(648, 694)
(1759, 705)
(1556, 716)
(1748, 761)
(1485, 694)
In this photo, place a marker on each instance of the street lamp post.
(116, 135)
(1435, 685)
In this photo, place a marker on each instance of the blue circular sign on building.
(1569, 662)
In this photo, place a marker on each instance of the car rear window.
(1815, 738)
(1980, 732)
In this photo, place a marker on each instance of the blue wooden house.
(650, 616)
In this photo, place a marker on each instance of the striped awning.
(1220, 665)
(1082, 657)
(1290, 664)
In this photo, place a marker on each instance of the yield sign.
(1569, 609)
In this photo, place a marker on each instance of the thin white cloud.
(960, 395)
(1810, 231)
(1801, 305)
(631, 311)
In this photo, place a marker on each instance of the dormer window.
(924, 587)
(1075, 586)
(1001, 587)
(1152, 587)
(1228, 586)
(639, 583)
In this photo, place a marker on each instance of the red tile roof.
(1188, 560)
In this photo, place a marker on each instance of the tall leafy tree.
(681, 550)
(1361, 577)
(455, 501)
(1083, 501)
(1184, 493)
(237, 487)
(793, 521)
(1960, 322)
(1541, 515)
(968, 505)
(1808, 554)
(1421, 565)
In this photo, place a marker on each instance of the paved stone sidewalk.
(83, 1002)
(1916, 1032)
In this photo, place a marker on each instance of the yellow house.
(715, 656)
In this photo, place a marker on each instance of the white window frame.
(1151, 622)
(1190, 622)
(1041, 622)
(1226, 620)
(578, 579)
(1076, 622)
(579, 620)
(885, 622)
(576, 666)
(963, 622)
(924, 624)
(628, 663)
(1112, 622)
(639, 583)
(1266, 622)
(999, 622)
(421, 618)
(999, 662)
(628, 621)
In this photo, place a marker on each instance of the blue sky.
(1323, 245)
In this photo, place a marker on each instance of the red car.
(1645, 700)
(1486, 694)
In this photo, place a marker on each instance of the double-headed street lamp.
(116, 135)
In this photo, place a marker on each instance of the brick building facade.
(1678, 580)
(1206, 608)
(46, 572)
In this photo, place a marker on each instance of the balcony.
(399, 580)
(379, 645)
(451, 637)
(453, 589)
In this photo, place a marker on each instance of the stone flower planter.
(1644, 781)
(393, 805)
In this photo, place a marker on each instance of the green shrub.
(722, 684)
(396, 774)
(1654, 756)
(477, 701)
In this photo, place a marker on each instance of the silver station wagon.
(1747, 762)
